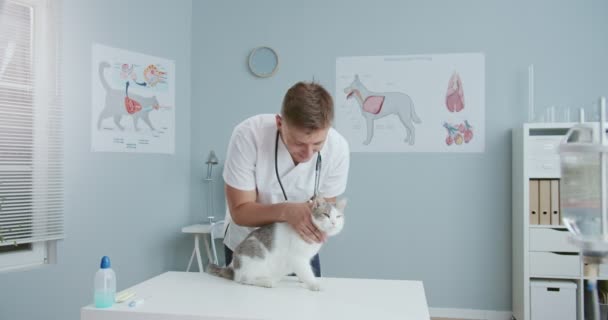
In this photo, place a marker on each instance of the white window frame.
(19, 260)
(41, 252)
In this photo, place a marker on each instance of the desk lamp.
(211, 161)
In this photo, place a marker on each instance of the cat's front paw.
(265, 283)
(314, 286)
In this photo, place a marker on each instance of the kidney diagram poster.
(412, 103)
(132, 102)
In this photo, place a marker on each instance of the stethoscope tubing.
(276, 169)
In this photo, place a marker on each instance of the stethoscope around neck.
(276, 169)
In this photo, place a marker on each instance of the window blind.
(31, 152)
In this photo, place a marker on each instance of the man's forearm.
(253, 214)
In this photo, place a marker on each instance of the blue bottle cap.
(105, 262)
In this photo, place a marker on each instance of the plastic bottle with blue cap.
(105, 284)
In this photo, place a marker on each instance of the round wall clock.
(263, 62)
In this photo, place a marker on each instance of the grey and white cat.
(275, 250)
(115, 104)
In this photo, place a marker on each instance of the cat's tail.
(225, 272)
(102, 66)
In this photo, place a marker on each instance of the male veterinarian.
(276, 163)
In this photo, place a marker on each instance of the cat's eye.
(326, 214)
(340, 216)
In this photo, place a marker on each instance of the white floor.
(468, 314)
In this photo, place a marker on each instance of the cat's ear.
(341, 204)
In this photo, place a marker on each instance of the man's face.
(302, 144)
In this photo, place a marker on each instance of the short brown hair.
(307, 105)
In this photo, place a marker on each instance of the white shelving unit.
(539, 251)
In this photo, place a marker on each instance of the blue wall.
(128, 206)
(441, 218)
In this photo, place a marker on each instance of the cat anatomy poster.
(417, 103)
(133, 102)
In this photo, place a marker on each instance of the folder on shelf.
(544, 197)
(555, 212)
(534, 208)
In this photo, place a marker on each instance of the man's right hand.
(299, 217)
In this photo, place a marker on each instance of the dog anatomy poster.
(133, 102)
(417, 103)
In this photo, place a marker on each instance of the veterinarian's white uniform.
(250, 166)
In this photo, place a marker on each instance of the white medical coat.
(250, 166)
